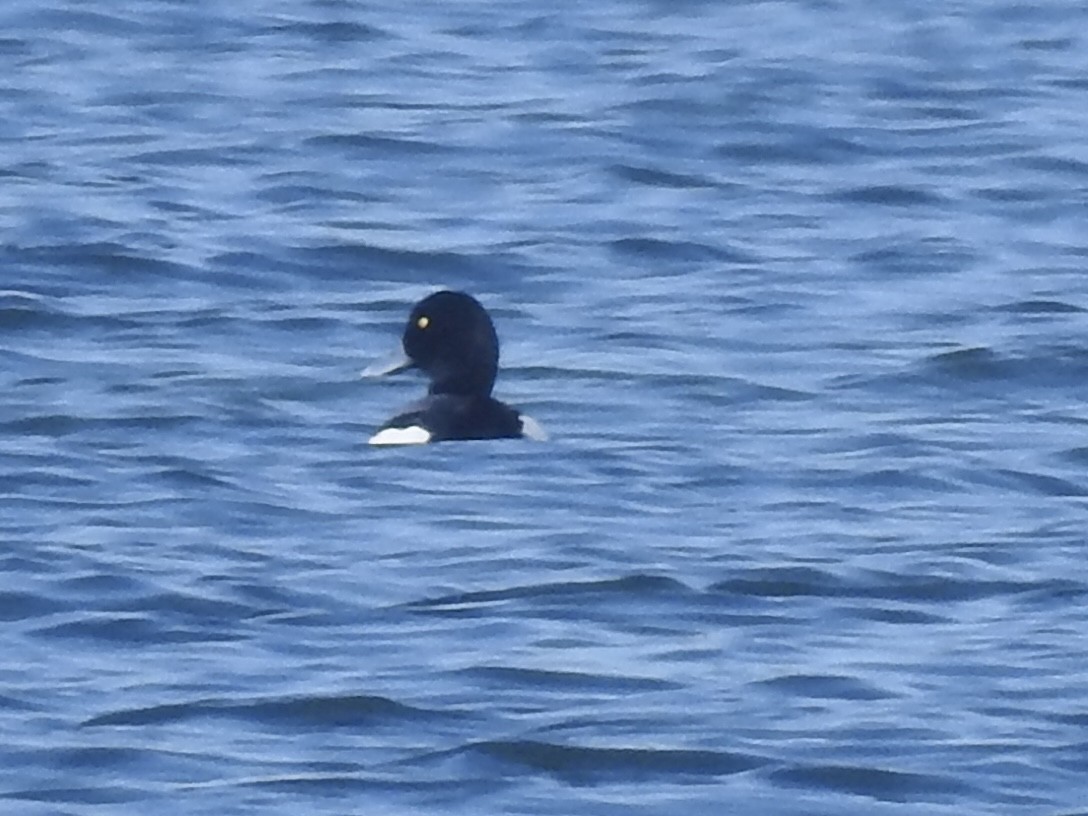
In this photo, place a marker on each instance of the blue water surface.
(799, 289)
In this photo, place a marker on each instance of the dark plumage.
(450, 337)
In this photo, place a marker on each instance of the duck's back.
(455, 416)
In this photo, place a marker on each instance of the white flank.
(413, 435)
(531, 429)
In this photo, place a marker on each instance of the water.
(798, 289)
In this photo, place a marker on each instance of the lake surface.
(799, 290)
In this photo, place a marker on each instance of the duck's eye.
(423, 322)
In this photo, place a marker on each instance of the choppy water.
(799, 289)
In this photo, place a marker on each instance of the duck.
(451, 338)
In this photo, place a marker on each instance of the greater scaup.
(450, 337)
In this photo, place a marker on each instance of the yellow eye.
(423, 322)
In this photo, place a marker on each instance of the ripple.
(419, 265)
(655, 248)
(823, 687)
(890, 195)
(785, 582)
(131, 630)
(387, 145)
(876, 783)
(1064, 166)
(970, 364)
(314, 711)
(655, 177)
(96, 795)
(632, 586)
(1042, 483)
(21, 605)
(118, 260)
(804, 148)
(62, 425)
(566, 681)
(217, 155)
(934, 256)
(586, 765)
(1033, 307)
(331, 32)
(1051, 367)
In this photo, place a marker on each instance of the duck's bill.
(398, 362)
